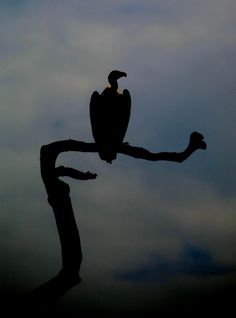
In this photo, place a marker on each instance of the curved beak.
(123, 74)
(115, 75)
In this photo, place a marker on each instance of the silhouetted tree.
(59, 199)
(109, 115)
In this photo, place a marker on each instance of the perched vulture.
(109, 115)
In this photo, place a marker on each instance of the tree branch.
(195, 142)
(62, 171)
(50, 152)
(59, 198)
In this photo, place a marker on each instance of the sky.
(154, 235)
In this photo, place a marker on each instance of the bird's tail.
(107, 155)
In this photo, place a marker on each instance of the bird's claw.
(196, 141)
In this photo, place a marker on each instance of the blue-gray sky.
(137, 217)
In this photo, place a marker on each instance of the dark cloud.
(193, 261)
(179, 56)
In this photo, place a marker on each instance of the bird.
(109, 117)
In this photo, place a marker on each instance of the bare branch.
(62, 171)
(59, 198)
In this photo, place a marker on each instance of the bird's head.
(114, 76)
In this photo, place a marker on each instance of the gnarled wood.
(59, 198)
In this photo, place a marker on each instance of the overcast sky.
(148, 230)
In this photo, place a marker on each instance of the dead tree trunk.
(59, 198)
(58, 191)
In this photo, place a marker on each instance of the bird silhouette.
(109, 116)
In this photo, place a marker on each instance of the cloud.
(193, 262)
(179, 57)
